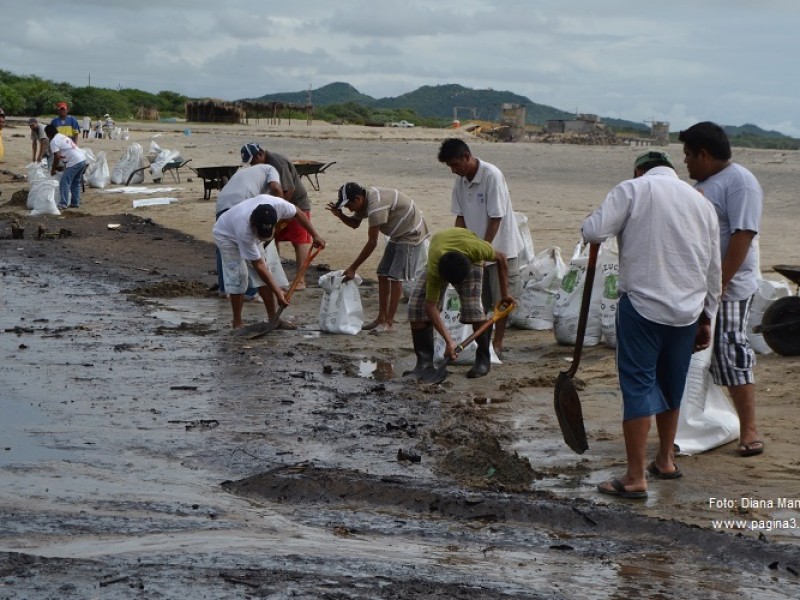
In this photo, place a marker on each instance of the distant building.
(512, 116)
(659, 131)
(582, 123)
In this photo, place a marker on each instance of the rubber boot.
(483, 355)
(423, 348)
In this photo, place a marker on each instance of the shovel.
(265, 328)
(440, 374)
(567, 403)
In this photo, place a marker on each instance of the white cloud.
(724, 60)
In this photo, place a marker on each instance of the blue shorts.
(652, 361)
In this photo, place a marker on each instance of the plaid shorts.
(469, 292)
(733, 359)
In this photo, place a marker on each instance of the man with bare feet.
(395, 215)
(238, 233)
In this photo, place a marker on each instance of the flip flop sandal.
(751, 448)
(618, 489)
(659, 474)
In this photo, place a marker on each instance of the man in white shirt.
(481, 203)
(245, 183)
(670, 283)
(238, 234)
(65, 150)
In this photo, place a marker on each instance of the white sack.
(458, 331)
(132, 160)
(273, 260)
(707, 418)
(566, 309)
(340, 310)
(543, 277)
(608, 271)
(42, 197)
(526, 255)
(98, 174)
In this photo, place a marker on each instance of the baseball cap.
(249, 151)
(653, 156)
(348, 192)
(263, 219)
(60, 105)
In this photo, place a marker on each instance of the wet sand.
(320, 403)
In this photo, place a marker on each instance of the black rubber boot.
(423, 348)
(483, 355)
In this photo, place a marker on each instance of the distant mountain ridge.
(438, 101)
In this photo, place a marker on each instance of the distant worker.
(66, 124)
(395, 215)
(40, 143)
(109, 125)
(293, 191)
(87, 126)
(66, 151)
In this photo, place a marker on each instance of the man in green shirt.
(455, 257)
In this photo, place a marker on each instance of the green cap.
(653, 156)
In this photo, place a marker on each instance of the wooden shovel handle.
(498, 314)
(312, 254)
(583, 318)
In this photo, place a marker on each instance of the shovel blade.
(569, 413)
(431, 376)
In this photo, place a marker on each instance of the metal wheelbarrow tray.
(214, 178)
(780, 324)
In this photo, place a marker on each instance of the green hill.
(439, 102)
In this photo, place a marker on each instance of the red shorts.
(294, 232)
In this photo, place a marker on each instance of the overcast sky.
(683, 61)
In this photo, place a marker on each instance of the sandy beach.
(555, 186)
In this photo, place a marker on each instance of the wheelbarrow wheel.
(781, 322)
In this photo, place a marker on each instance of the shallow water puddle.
(380, 370)
(17, 443)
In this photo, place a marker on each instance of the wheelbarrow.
(307, 168)
(214, 178)
(173, 168)
(780, 324)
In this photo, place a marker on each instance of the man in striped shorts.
(738, 200)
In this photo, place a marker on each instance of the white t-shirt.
(246, 183)
(668, 235)
(485, 197)
(67, 150)
(738, 200)
(232, 231)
